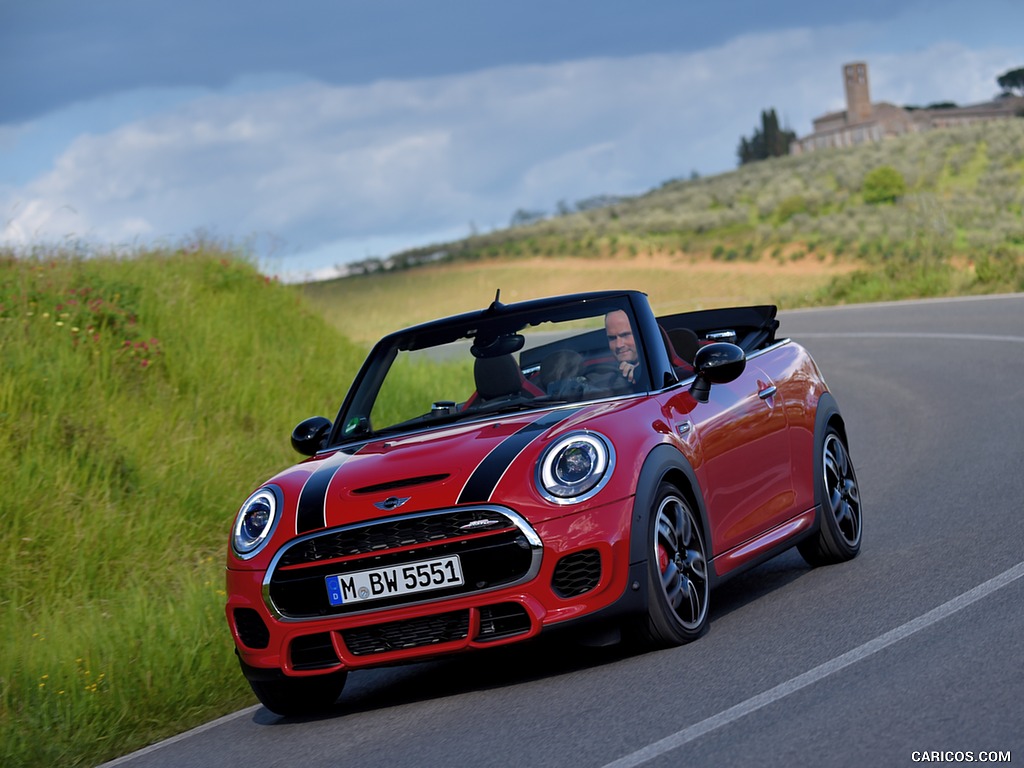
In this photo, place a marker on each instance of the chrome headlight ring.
(575, 467)
(255, 522)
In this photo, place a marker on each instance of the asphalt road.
(914, 646)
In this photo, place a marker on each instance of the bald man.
(622, 344)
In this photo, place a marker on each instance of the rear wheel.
(678, 586)
(838, 498)
(293, 696)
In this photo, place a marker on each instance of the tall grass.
(141, 399)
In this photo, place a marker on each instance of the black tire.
(837, 494)
(677, 569)
(297, 696)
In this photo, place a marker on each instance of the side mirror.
(717, 363)
(309, 435)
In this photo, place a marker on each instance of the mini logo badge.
(391, 502)
(472, 525)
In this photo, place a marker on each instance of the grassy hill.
(803, 221)
(140, 401)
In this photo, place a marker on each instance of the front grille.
(313, 652)
(392, 534)
(502, 620)
(577, 573)
(495, 547)
(251, 630)
(412, 633)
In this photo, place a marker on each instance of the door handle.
(767, 392)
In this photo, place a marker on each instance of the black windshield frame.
(498, 320)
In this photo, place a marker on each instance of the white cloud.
(330, 170)
(945, 71)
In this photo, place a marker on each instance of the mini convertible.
(562, 462)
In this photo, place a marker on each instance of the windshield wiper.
(428, 420)
(517, 405)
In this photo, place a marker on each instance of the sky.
(313, 133)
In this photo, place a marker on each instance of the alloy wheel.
(682, 562)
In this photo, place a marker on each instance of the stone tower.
(858, 98)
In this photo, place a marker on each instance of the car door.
(745, 445)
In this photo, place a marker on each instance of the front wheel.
(296, 696)
(838, 498)
(677, 570)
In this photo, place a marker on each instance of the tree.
(768, 141)
(523, 217)
(598, 201)
(884, 184)
(1012, 81)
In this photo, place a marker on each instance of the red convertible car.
(571, 461)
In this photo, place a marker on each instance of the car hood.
(460, 464)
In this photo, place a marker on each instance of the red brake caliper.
(662, 559)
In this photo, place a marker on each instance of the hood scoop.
(396, 484)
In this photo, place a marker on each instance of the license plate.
(392, 581)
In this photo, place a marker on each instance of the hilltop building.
(863, 121)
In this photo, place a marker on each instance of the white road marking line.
(904, 303)
(182, 736)
(731, 715)
(898, 335)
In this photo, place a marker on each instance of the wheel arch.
(825, 544)
(665, 463)
(827, 415)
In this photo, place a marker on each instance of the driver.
(622, 344)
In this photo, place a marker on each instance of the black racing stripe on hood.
(485, 477)
(310, 513)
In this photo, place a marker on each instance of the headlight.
(255, 522)
(575, 467)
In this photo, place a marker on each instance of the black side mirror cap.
(308, 437)
(717, 363)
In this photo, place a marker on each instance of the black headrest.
(497, 376)
(685, 343)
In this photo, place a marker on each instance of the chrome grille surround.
(393, 541)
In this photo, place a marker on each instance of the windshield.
(511, 361)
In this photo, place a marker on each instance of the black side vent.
(251, 630)
(502, 620)
(412, 633)
(314, 652)
(577, 573)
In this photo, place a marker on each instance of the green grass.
(140, 401)
(412, 385)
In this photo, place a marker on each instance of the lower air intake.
(314, 652)
(251, 630)
(577, 573)
(412, 633)
(502, 620)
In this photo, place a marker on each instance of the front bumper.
(582, 569)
